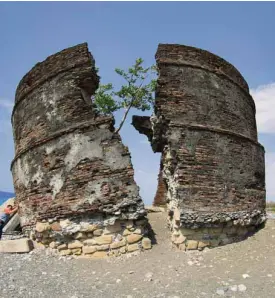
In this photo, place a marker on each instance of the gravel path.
(245, 269)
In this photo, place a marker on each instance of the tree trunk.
(124, 117)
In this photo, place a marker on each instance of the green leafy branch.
(137, 92)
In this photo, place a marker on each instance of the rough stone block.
(80, 235)
(56, 226)
(138, 231)
(203, 244)
(89, 242)
(62, 246)
(118, 244)
(65, 252)
(91, 228)
(42, 227)
(133, 238)
(89, 249)
(146, 243)
(53, 244)
(98, 232)
(104, 239)
(192, 244)
(64, 223)
(100, 254)
(75, 244)
(182, 247)
(132, 247)
(123, 250)
(23, 245)
(126, 232)
(102, 247)
(130, 224)
(77, 251)
(113, 228)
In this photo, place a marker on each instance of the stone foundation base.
(198, 239)
(95, 240)
(192, 231)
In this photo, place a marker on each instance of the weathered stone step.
(23, 245)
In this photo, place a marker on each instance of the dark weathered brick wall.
(204, 125)
(160, 196)
(143, 125)
(51, 97)
(68, 160)
(212, 160)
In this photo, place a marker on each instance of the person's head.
(10, 207)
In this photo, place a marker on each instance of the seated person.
(5, 216)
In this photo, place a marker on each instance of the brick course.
(69, 163)
(204, 125)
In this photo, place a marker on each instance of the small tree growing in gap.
(137, 92)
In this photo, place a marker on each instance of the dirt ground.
(244, 269)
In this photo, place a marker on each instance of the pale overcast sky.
(118, 33)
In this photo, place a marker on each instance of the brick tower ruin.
(73, 177)
(204, 125)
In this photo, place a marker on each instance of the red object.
(8, 211)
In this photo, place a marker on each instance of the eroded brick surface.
(69, 163)
(160, 197)
(204, 125)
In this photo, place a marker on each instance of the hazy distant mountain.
(5, 195)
